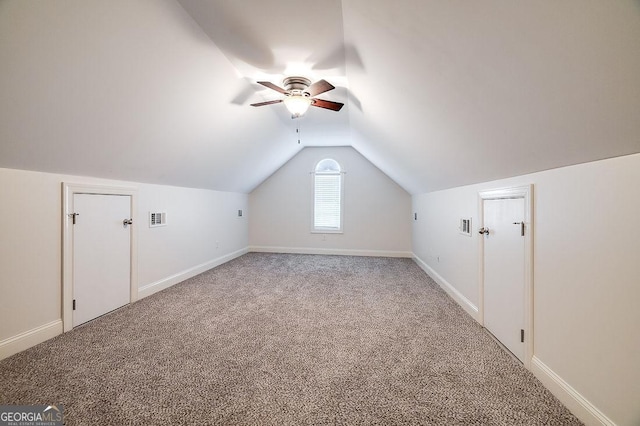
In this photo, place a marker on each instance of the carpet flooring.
(280, 339)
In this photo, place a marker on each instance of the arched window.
(327, 196)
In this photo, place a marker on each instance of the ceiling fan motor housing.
(297, 85)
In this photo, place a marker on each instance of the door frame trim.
(525, 192)
(68, 191)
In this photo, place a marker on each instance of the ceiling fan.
(300, 95)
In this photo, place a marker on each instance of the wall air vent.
(465, 226)
(157, 219)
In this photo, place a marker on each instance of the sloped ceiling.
(438, 94)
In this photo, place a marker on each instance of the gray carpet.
(285, 340)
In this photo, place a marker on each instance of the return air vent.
(157, 219)
(465, 226)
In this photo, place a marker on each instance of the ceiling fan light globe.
(297, 104)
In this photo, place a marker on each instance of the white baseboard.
(447, 287)
(338, 252)
(174, 279)
(572, 399)
(29, 338)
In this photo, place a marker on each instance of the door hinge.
(522, 336)
(521, 227)
(74, 304)
(73, 217)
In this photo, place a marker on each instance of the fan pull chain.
(298, 130)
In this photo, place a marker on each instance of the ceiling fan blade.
(277, 101)
(321, 103)
(272, 86)
(318, 87)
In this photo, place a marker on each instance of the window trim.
(341, 173)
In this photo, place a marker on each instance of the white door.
(101, 255)
(504, 272)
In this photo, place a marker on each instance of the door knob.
(127, 222)
(483, 231)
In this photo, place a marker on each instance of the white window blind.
(327, 196)
(327, 201)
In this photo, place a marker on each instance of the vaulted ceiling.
(438, 93)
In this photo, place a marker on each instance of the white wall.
(31, 245)
(376, 210)
(586, 277)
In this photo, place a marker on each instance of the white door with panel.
(504, 271)
(101, 255)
